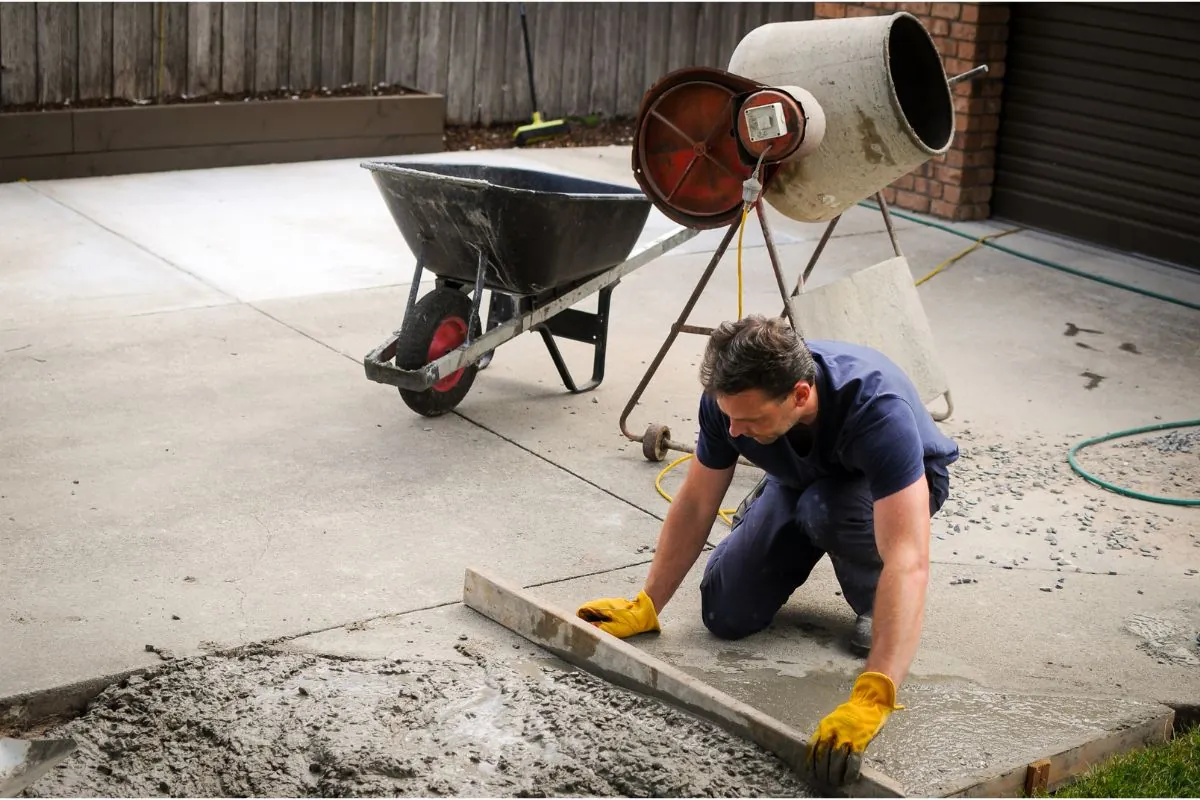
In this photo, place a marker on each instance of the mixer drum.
(884, 94)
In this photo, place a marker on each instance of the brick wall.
(958, 185)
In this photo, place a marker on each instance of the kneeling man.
(854, 469)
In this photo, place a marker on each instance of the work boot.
(860, 640)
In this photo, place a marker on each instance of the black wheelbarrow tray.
(538, 242)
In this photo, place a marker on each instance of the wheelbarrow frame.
(549, 313)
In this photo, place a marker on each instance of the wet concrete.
(292, 724)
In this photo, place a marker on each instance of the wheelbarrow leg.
(580, 326)
(657, 439)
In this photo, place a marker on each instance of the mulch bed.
(615, 131)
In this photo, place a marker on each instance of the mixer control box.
(765, 122)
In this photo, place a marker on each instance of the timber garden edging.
(87, 142)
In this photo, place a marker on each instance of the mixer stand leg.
(656, 439)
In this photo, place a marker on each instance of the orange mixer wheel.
(685, 153)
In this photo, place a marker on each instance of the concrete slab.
(56, 266)
(197, 471)
(952, 731)
(215, 466)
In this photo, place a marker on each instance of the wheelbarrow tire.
(436, 326)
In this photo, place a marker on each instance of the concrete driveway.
(191, 456)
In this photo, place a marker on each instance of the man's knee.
(726, 612)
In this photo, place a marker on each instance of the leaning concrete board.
(585, 646)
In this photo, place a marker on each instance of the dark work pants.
(778, 541)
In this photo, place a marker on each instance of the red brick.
(995, 70)
(946, 10)
(829, 10)
(952, 194)
(921, 185)
(969, 12)
(978, 176)
(977, 211)
(956, 66)
(903, 182)
(971, 105)
(964, 32)
(981, 158)
(953, 159)
(917, 9)
(950, 176)
(989, 122)
(964, 89)
(889, 195)
(935, 190)
(861, 11)
(912, 201)
(989, 140)
(969, 50)
(940, 208)
(945, 45)
(939, 27)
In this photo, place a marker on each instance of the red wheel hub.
(451, 333)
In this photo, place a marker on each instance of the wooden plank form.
(585, 646)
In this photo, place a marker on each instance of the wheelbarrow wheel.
(436, 326)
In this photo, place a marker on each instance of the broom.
(537, 130)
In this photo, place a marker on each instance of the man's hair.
(756, 352)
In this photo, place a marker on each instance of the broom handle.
(528, 59)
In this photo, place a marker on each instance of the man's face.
(762, 418)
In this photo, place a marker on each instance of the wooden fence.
(588, 57)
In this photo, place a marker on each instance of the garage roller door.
(1100, 135)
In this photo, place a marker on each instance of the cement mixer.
(811, 117)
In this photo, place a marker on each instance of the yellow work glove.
(834, 754)
(621, 617)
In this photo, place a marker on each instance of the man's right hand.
(620, 617)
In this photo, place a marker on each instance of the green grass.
(1167, 770)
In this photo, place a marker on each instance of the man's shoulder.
(864, 370)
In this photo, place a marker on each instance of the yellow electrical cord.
(741, 230)
(725, 513)
(978, 243)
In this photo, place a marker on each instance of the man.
(855, 467)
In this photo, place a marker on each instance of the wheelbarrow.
(23, 761)
(539, 242)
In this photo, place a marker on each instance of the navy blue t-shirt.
(870, 423)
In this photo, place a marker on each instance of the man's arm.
(902, 537)
(685, 530)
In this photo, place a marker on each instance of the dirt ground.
(264, 723)
(493, 137)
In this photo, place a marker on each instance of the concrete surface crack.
(556, 465)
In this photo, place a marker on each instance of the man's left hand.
(834, 754)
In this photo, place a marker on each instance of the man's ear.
(800, 394)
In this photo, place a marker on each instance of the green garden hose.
(1162, 426)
